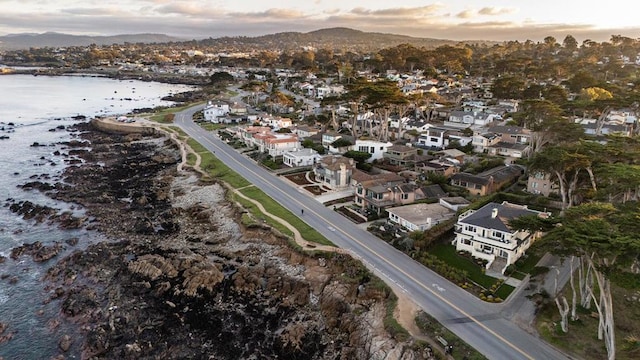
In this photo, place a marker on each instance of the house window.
(467, 242)
(470, 228)
(477, 186)
(405, 196)
(497, 235)
(360, 191)
(433, 139)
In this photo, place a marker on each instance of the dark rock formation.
(179, 282)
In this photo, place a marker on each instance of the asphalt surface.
(478, 323)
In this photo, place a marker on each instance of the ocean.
(37, 109)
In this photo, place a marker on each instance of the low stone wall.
(121, 128)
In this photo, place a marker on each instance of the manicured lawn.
(211, 126)
(448, 254)
(525, 266)
(528, 264)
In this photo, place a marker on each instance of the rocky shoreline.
(180, 277)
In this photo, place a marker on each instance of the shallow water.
(38, 109)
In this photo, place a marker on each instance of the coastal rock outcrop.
(180, 278)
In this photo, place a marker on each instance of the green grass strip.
(217, 169)
(272, 207)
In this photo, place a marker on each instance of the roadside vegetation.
(434, 330)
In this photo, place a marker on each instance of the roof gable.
(484, 218)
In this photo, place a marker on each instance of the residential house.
(486, 233)
(514, 141)
(276, 144)
(592, 128)
(247, 134)
(265, 140)
(510, 150)
(622, 116)
(401, 155)
(456, 154)
(454, 203)
(276, 122)
(212, 111)
(307, 89)
(322, 91)
(418, 126)
(238, 109)
(441, 137)
(483, 141)
(304, 131)
(433, 191)
(443, 166)
(419, 217)
(301, 157)
(376, 194)
(334, 171)
(329, 137)
(488, 181)
(509, 105)
(540, 182)
(469, 118)
(512, 134)
(373, 147)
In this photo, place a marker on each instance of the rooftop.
(420, 213)
(505, 212)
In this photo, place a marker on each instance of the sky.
(499, 20)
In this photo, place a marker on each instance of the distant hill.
(52, 39)
(332, 38)
(339, 39)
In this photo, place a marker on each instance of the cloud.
(86, 11)
(191, 21)
(187, 9)
(485, 11)
(466, 14)
(275, 14)
(494, 11)
(393, 12)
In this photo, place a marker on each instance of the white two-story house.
(486, 234)
(373, 147)
(212, 111)
(440, 137)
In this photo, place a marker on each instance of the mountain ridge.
(334, 37)
(55, 39)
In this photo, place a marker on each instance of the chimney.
(494, 213)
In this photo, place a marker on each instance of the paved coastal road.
(479, 324)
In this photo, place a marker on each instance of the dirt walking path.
(406, 309)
